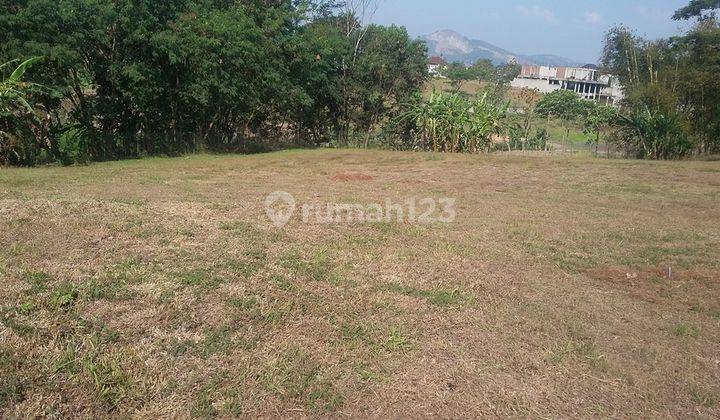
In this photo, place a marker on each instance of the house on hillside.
(435, 65)
(586, 81)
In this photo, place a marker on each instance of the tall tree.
(701, 9)
(389, 69)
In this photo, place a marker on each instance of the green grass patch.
(318, 267)
(12, 390)
(8, 318)
(686, 330)
(282, 283)
(106, 290)
(217, 340)
(216, 389)
(91, 361)
(274, 313)
(585, 351)
(129, 271)
(38, 280)
(296, 376)
(203, 405)
(438, 297)
(396, 341)
(250, 264)
(704, 398)
(240, 228)
(358, 335)
(202, 279)
(63, 297)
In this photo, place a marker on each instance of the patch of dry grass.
(567, 287)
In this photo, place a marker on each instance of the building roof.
(436, 60)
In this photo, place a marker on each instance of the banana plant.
(22, 132)
(486, 120)
(452, 123)
(12, 89)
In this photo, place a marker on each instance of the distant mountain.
(456, 47)
(550, 60)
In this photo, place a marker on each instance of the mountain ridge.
(454, 46)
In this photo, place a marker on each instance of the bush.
(654, 135)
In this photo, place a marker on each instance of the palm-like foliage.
(452, 123)
(12, 89)
(19, 124)
(654, 134)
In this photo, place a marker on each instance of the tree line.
(672, 86)
(87, 80)
(116, 79)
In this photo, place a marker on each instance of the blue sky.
(570, 28)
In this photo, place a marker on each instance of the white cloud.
(593, 18)
(538, 12)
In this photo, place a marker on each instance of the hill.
(457, 47)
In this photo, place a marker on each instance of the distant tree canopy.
(564, 105)
(457, 73)
(483, 70)
(126, 78)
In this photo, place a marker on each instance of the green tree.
(458, 73)
(697, 9)
(694, 85)
(390, 68)
(507, 73)
(484, 70)
(521, 129)
(597, 122)
(564, 105)
(675, 76)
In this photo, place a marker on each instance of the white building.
(435, 65)
(585, 81)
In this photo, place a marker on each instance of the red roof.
(436, 61)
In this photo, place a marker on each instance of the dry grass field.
(567, 287)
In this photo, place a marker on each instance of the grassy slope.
(158, 288)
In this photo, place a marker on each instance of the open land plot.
(566, 287)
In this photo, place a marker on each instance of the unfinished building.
(585, 81)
